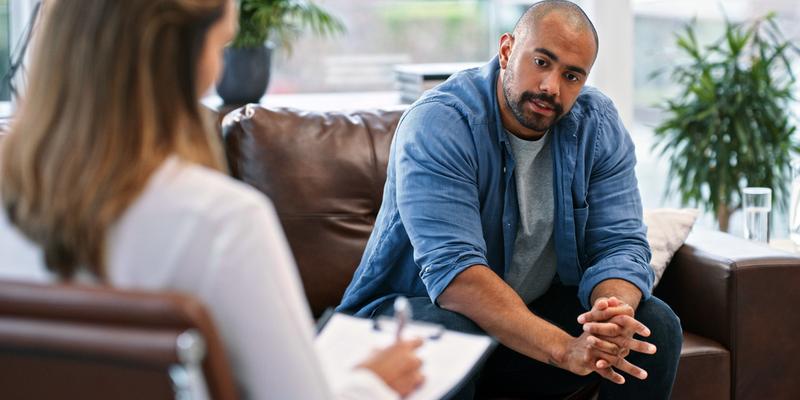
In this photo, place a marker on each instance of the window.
(655, 25)
(15, 21)
(381, 34)
(657, 21)
(5, 60)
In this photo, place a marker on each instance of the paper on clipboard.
(448, 357)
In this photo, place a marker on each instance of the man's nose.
(549, 84)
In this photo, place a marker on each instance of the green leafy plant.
(281, 22)
(730, 125)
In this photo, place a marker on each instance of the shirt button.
(504, 170)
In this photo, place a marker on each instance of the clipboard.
(450, 359)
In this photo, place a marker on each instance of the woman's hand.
(398, 366)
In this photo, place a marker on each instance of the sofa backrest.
(324, 172)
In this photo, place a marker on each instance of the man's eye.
(539, 62)
(572, 77)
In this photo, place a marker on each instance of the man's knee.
(664, 324)
(422, 309)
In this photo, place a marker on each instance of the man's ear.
(506, 44)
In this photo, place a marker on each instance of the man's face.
(543, 73)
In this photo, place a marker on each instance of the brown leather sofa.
(325, 173)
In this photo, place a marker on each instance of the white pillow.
(667, 229)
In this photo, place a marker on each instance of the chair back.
(85, 342)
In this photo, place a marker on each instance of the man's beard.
(526, 117)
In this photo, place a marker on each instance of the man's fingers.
(622, 309)
(602, 365)
(604, 345)
(632, 370)
(597, 315)
(603, 328)
(611, 375)
(631, 325)
(594, 315)
(599, 305)
(641, 346)
(605, 367)
(601, 361)
(614, 302)
(627, 343)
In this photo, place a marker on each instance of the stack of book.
(414, 79)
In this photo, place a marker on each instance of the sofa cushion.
(325, 174)
(667, 229)
(704, 371)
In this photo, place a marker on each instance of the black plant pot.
(246, 75)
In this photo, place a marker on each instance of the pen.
(402, 314)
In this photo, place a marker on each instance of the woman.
(109, 174)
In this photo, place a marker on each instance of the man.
(511, 207)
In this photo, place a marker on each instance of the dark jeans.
(510, 374)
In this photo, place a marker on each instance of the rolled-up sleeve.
(437, 193)
(616, 239)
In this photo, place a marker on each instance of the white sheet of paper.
(346, 341)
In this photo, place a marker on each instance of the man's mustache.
(545, 98)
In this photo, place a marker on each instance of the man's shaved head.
(544, 65)
(571, 13)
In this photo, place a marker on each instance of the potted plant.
(262, 25)
(730, 126)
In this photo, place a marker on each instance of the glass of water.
(757, 203)
(794, 204)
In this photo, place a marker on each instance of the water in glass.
(756, 226)
(757, 203)
(794, 205)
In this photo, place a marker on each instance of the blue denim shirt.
(450, 197)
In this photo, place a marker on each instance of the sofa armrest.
(742, 295)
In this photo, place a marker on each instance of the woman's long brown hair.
(111, 94)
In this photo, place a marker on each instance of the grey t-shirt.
(533, 262)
